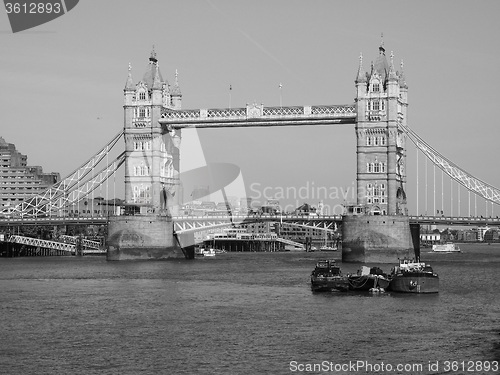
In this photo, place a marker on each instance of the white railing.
(259, 111)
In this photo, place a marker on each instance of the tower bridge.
(152, 133)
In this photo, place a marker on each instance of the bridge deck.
(258, 115)
(416, 219)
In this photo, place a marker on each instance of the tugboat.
(369, 279)
(414, 277)
(327, 277)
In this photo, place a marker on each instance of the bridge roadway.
(192, 223)
(328, 222)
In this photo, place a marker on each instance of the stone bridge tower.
(381, 104)
(381, 101)
(152, 158)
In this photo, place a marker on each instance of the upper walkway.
(258, 115)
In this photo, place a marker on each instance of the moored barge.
(327, 277)
(414, 277)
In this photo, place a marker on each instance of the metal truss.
(187, 224)
(190, 224)
(258, 115)
(36, 242)
(72, 188)
(87, 244)
(55, 245)
(464, 178)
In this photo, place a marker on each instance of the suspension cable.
(471, 183)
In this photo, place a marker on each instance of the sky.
(62, 84)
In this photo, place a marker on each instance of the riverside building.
(18, 181)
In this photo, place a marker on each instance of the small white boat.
(448, 247)
(202, 252)
(327, 248)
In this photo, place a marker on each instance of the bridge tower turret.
(152, 158)
(381, 100)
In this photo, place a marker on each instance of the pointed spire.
(152, 58)
(157, 79)
(129, 85)
(381, 49)
(361, 77)
(176, 90)
(392, 72)
(402, 78)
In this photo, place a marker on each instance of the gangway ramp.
(53, 245)
(290, 242)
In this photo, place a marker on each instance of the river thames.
(243, 313)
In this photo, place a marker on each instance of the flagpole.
(281, 97)
(230, 89)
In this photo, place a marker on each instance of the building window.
(142, 95)
(142, 112)
(376, 87)
(376, 105)
(376, 141)
(368, 141)
(376, 168)
(383, 141)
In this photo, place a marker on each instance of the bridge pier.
(143, 237)
(377, 239)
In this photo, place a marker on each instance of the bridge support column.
(376, 238)
(142, 237)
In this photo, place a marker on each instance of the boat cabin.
(326, 267)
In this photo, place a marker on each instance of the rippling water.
(239, 313)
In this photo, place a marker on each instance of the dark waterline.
(239, 313)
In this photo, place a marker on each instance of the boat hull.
(329, 284)
(414, 282)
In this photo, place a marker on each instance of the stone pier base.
(143, 237)
(376, 239)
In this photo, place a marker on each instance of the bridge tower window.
(142, 95)
(376, 87)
